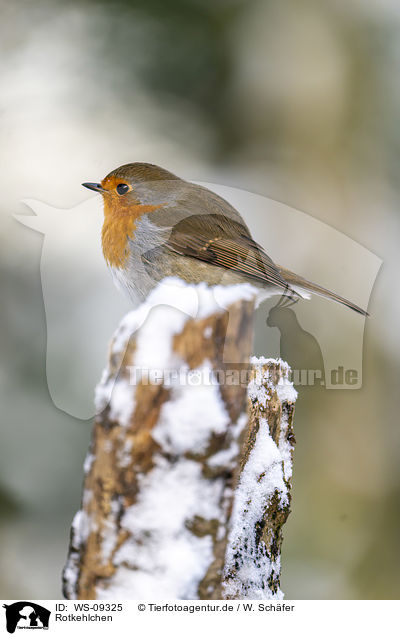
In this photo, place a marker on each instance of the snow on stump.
(262, 495)
(186, 488)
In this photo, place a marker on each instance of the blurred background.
(298, 104)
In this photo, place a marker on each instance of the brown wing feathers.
(223, 242)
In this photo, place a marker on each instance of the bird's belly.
(135, 285)
(137, 281)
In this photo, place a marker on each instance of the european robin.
(158, 225)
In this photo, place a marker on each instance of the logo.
(26, 615)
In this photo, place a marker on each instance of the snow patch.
(163, 558)
(265, 473)
(122, 402)
(87, 464)
(118, 395)
(190, 417)
(261, 477)
(212, 299)
(284, 388)
(165, 311)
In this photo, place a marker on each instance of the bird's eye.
(122, 188)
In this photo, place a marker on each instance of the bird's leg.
(290, 301)
(281, 300)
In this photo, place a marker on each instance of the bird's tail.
(297, 282)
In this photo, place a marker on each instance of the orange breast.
(114, 239)
(119, 224)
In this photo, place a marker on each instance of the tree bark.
(263, 492)
(159, 518)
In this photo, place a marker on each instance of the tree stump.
(175, 455)
(262, 494)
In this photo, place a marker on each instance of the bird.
(157, 225)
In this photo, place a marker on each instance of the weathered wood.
(262, 497)
(174, 503)
(127, 451)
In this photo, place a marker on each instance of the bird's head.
(127, 188)
(129, 192)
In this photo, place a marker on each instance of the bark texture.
(158, 516)
(127, 456)
(262, 494)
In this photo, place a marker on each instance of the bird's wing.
(220, 241)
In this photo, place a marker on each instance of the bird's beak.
(93, 186)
